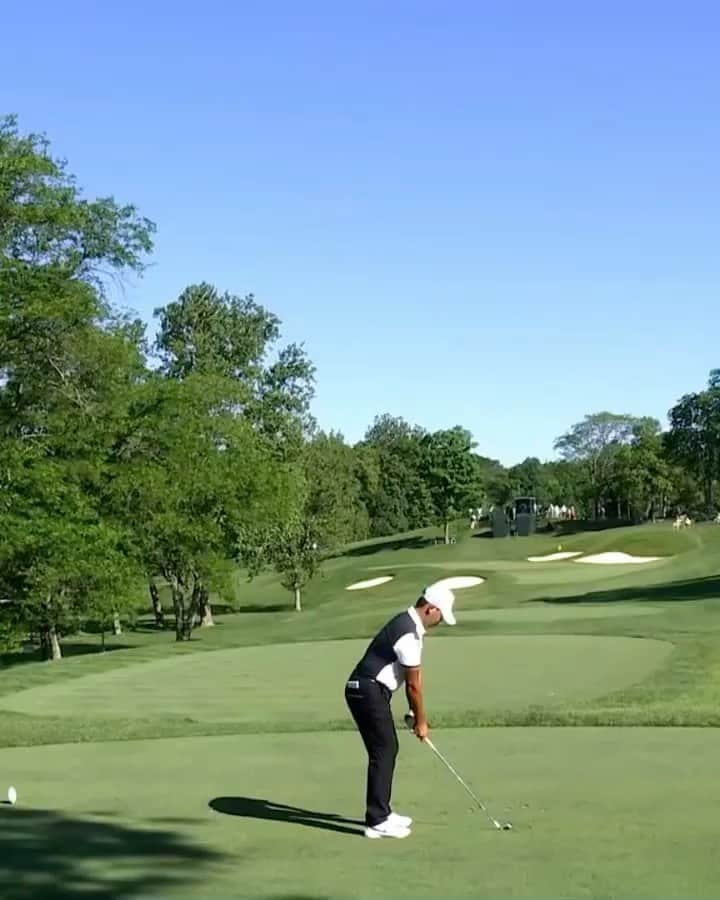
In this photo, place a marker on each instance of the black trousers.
(369, 704)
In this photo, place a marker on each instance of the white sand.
(460, 581)
(370, 583)
(566, 554)
(614, 558)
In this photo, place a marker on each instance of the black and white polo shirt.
(399, 643)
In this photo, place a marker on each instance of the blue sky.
(500, 215)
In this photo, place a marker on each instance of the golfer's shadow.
(255, 808)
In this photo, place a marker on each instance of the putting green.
(596, 813)
(555, 613)
(303, 682)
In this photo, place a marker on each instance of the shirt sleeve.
(408, 650)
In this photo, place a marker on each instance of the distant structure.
(499, 522)
(519, 519)
(525, 513)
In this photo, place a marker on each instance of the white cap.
(443, 599)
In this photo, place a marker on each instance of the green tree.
(592, 443)
(11, 627)
(232, 340)
(60, 561)
(45, 222)
(694, 437)
(205, 332)
(66, 363)
(527, 479)
(451, 473)
(493, 480)
(685, 494)
(289, 547)
(323, 510)
(367, 466)
(639, 479)
(567, 482)
(334, 500)
(191, 475)
(400, 499)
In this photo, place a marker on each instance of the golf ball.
(12, 795)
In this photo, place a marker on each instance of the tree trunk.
(156, 604)
(55, 651)
(201, 609)
(298, 606)
(447, 531)
(188, 624)
(117, 627)
(708, 491)
(184, 621)
(201, 605)
(182, 607)
(177, 607)
(207, 620)
(49, 644)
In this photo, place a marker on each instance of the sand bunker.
(460, 581)
(615, 558)
(566, 554)
(370, 583)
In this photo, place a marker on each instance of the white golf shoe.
(400, 821)
(387, 829)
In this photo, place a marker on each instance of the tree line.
(125, 461)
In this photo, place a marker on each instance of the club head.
(410, 720)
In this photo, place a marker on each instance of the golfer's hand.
(422, 730)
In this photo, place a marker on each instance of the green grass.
(301, 683)
(155, 688)
(142, 738)
(596, 813)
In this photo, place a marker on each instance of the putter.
(506, 826)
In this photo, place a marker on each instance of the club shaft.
(460, 779)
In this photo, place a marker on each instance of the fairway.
(252, 781)
(303, 682)
(277, 816)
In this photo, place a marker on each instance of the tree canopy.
(126, 464)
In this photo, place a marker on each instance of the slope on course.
(558, 612)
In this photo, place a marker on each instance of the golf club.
(506, 826)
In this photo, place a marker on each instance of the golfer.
(392, 658)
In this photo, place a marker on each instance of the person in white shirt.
(392, 658)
